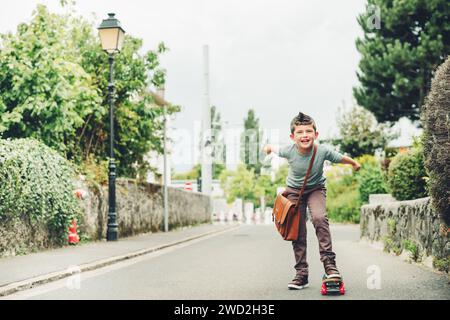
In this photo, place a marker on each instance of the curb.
(58, 275)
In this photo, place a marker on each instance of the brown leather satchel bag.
(286, 214)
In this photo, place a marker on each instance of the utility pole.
(206, 128)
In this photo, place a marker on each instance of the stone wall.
(400, 224)
(20, 236)
(139, 210)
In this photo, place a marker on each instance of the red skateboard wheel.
(323, 290)
(342, 288)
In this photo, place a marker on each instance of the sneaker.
(331, 271)
(298, 283)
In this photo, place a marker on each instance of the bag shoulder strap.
(307, 175)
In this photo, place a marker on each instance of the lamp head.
(111, 34)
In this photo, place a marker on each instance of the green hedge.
(435, 118)
(347, 190)
(345, 207)
(371, 181)
(343, 203)
(407, 175)
(36, 185)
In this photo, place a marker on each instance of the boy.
(303, 134)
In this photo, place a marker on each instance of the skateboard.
(332, 285)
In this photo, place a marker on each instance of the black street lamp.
(111, 36)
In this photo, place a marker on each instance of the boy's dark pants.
(315, 199)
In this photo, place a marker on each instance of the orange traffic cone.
(73, 236)
(80, 194)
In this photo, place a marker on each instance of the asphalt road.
(251, 262)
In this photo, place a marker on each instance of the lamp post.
(111, 36)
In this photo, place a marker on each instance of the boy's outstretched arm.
(347, 160)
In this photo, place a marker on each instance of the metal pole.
(166, 178)
(112, 231)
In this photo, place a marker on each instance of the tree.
(44, 91)
(192, 174)
(53, 87)
(243, 183)
(238, 184)
(138, 120)
(219, 150)
(264, 187)
(251, 143)
(218, 153)
(360, 133)
(400, 55)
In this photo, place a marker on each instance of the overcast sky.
(278, 57)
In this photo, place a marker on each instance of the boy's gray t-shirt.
(299, 163)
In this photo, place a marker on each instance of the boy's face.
(304, 136)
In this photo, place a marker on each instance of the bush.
(406, 175)
(367, 160)
(36, 185)
(413, 249)
(370, 181)
(343, 203)
(442, 264)
(435, 117)
(347, 190)
(345, 207)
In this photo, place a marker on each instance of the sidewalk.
(23, 272)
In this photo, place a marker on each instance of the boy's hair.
(302, 119)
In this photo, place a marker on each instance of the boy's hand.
(267, 149)
(356, 166)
